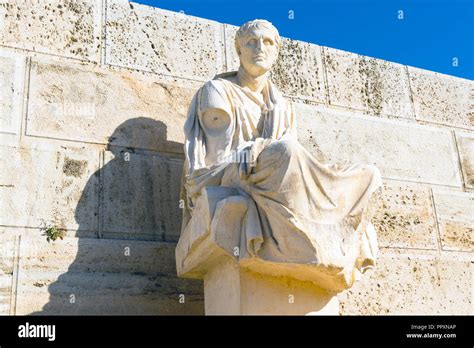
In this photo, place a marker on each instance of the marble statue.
(300, 217)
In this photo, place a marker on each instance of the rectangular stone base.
(232, 290)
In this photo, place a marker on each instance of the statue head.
(257, 43)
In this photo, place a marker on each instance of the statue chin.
(255, 70)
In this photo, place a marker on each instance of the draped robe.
(301, 211)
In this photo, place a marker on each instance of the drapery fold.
(300, 210)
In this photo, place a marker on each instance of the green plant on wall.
(52, 232)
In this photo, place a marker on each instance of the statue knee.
(278, 153)
(287, 146)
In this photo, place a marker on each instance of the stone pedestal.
(230, 289)
(208, 249)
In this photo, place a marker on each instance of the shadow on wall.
(128, 266)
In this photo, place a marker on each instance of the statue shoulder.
(214, 95)
(227, 76)
(221, 81)
(216, 86)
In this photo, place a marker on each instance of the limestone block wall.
(93, 98)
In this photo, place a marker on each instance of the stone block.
(455, 213)
(164, 42)
(140, 196)
(51, 186)
(442, 99)
(64, 28)
(231, 57)
(377, 87)
(232, 290)
(12, 72)
(416, 284)
(404, 216)
(7, 253)
(80, 103)
(98, 277)
(465, 142)
(400, 150)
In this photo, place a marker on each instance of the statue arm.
(215, 121)
(215, 110)
(215, 118)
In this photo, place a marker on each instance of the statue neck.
(254, 83)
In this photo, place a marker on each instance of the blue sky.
(430, 34)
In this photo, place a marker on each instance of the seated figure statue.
(241, 133)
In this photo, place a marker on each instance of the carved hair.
(256, 23)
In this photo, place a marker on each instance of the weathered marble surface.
(65, 28)
(86, 104)
(412, 282)
(441, 98)
(7, 255)
(405, 217)
(105, 277)
(455, 213)
(465, 142)
(375, 86)
(140, 196)
(402, 151)
(47, 185)
(164, 42)
(12, 72)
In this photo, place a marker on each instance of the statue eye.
(252, 41)
(268, 42)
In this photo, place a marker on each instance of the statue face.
(258, 51)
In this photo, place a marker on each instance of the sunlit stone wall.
(93, 100)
